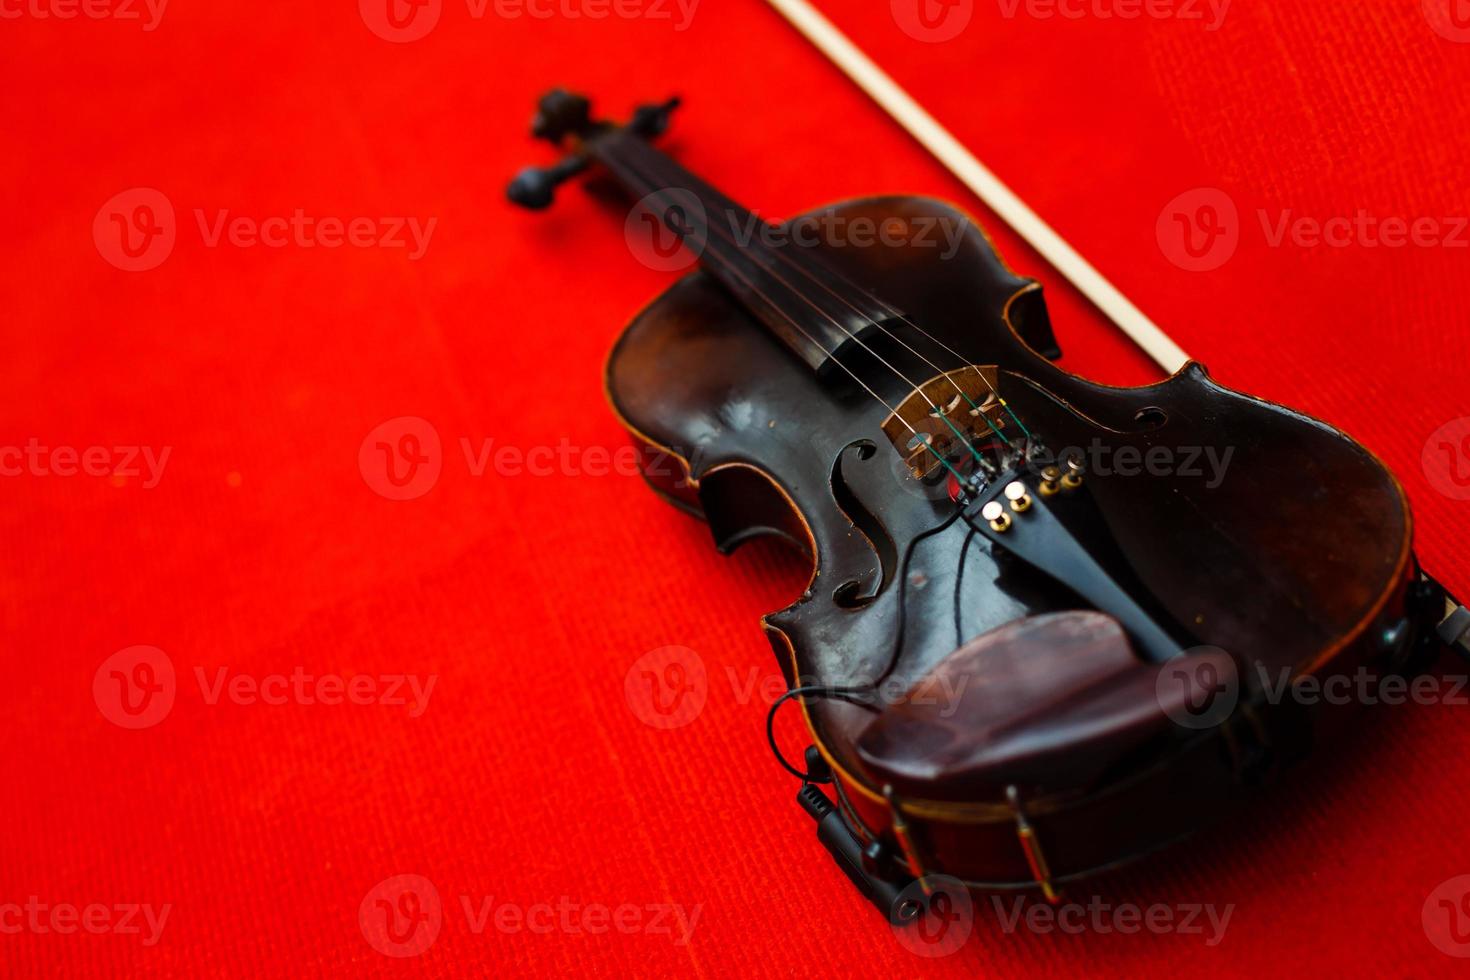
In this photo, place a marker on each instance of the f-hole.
(856, 593)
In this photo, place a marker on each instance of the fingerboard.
(814, 311)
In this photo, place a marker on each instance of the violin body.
(1299, 559)
(1052, 625)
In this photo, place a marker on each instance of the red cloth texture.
(185, 274)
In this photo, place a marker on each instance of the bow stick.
(983, 182)
(1454, 629)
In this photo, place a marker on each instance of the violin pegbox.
(563, 115)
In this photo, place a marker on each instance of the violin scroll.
(561, 115)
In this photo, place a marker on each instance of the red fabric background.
(528, 778)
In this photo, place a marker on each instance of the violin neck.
(815, 312)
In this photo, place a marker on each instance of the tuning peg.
(650, 121)
(535, 187)
(561, 113)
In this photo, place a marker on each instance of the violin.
(1047, 617)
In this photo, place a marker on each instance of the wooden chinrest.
(1048, 704)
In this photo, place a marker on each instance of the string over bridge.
(965, 401)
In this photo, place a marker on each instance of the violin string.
(636, 177)
(847, 693)
(896, 314)
(893, 312)
(923, 438)
(660, 193)
(980, 460)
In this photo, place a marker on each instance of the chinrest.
(1048, 703)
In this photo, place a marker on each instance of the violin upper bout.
(742, 502)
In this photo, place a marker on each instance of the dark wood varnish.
(1297, 561)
